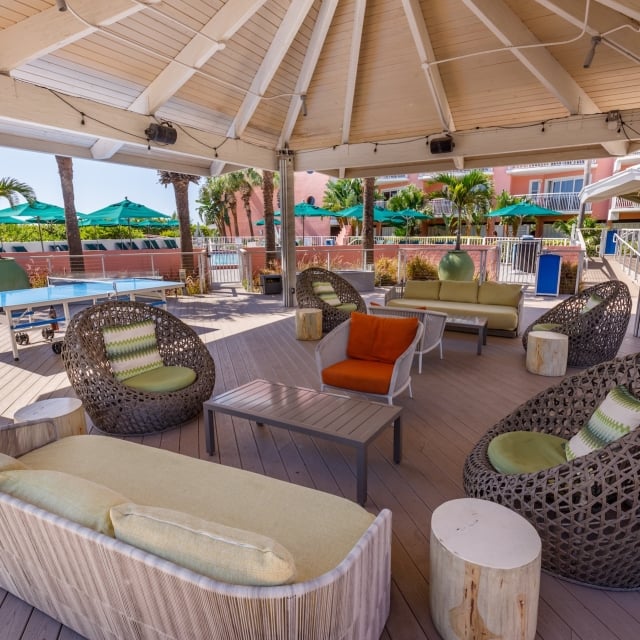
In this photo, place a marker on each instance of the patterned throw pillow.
(132, 348)
(617, 415)
(593, 301)
(326, 292)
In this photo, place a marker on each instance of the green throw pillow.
(132, 349)
(526, 452)
(593, 301)
(326, 292)
(617, 415)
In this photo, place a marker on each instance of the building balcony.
(561, 202)
(539, 168)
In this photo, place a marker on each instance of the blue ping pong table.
(18, 305)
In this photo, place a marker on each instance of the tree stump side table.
(66, 413)
(308, 324)
(547, 353)
(485, 571)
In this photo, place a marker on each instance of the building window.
(534, 187)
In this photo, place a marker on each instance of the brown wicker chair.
(587, 510)
(331, 316)
(594, 335)
(116, 408)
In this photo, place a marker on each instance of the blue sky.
(96, 184)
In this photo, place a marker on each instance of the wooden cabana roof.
(349, 87)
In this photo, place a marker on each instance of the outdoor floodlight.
(163, 133)
(595, 41)
(441, 145)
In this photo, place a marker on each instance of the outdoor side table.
(547, 353)
(485, 571)
(66, 413)
(308, 324)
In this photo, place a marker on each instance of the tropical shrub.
(386, 272)
(420, 268)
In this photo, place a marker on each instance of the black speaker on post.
(162, 133)
(441, 145)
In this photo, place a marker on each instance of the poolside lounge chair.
(585, 510)
(150, 244)
(116, 407)
(170, 243)
(595, 321)
(19, 248)
(313, 288)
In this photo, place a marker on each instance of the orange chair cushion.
(378, 338)
(359, 375)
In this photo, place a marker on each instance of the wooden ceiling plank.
(318, 37)
(352, 67)
(427, 56)
(282, 40)
(211, 39)
(51, 30)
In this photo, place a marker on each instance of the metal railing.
(627, 242)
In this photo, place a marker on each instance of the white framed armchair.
(434, 323)
(369, 355)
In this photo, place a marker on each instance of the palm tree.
(180, 182)
(232, 183)
(342, 194)
(65, 170)
(10, 188)
(410, 197)
(212, 206)
(505, 199)
(368, 193)
(250, 178)
(269, 182)
(470, 191)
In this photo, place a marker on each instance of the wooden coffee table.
(472, 324)
(351, 421)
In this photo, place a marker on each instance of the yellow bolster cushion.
(359, 375)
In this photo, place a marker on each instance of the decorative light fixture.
(61, 4)
(163, 133)
(595, 41)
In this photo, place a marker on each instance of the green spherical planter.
(456, 265)
(12, 275)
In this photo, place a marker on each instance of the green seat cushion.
(347, 306)
(593, 301)
(326, 292)
(526, 452)
(617, 415)
(162, 380)
(546, 326)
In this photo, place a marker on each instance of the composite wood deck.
(455, 401)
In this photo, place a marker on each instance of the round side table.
(66, 413)
(308, 324)
(485, 571)
(547, 353)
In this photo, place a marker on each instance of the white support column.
(288, 227)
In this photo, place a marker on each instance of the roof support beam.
(352, 71)
(282, 40)
(197, 52)
(621, 7)
(493, 146)
(323, 22)
(51, 30)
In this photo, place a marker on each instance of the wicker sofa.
(104, 587)
(500, 303)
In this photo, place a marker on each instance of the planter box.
(360, 280)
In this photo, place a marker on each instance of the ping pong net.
(95, 284)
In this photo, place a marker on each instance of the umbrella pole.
(40, 234)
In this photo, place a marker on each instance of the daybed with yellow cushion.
(500, 303)
(120, 540)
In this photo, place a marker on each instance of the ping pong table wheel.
(22, 338)
(48, 333)
(57, 348)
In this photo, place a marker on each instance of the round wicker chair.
(331, 316)
(116, 408)
(586, 511)
(594, 335)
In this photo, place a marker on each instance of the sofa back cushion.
(459, 291)
(132, 349)
(500, 293)
(215, 550)
(77, 499)
(422, 289)
(379, 338)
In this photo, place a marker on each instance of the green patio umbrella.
(124, 212)
(37, 212)
(379, 213)
(522, 210)
(405, 216)
(260, 222)
(304, 210)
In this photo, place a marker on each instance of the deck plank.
(455, 401)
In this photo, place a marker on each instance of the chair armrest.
(402, 366)
(18, 438)
(333, 347)
(394, 292)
